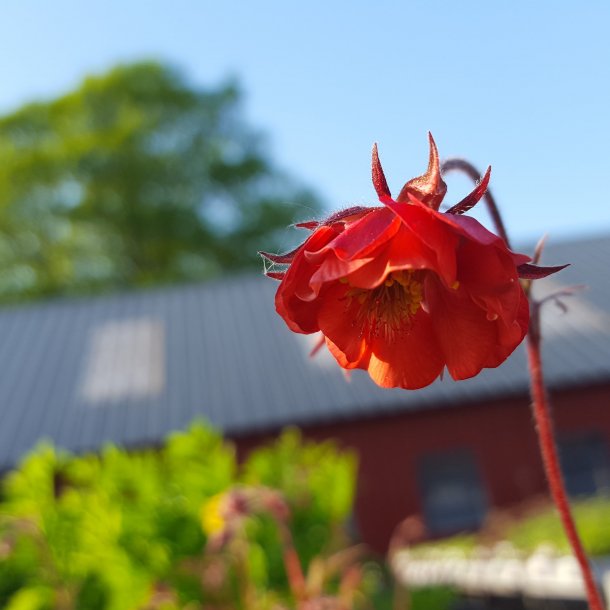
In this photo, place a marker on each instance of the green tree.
(135, 178)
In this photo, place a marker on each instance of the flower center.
(389, 307)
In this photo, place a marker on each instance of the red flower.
(403, 290)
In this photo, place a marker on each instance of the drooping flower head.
(404, 290)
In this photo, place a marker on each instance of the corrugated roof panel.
(63, 412)
(45, 409)
(32, 371)
(183, 329)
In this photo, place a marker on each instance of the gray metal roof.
(130, 368)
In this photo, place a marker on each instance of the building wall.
(499, 435)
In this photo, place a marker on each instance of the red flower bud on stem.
(405, 291)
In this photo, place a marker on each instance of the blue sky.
(522, 86)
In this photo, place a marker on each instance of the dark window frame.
(453, 492)
(585, 462)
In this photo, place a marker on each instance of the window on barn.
(453, 495)
(584, 463)
(125, 361)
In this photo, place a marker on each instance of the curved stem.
(456, 164)
(550, 459)
(540, 402)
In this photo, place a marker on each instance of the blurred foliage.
(432, 598)
(329, 492)
(386, 594)
(591, 516)
(135, 178)
(181, 527)
(540, 525)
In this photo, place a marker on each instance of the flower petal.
(336, 318)
(412, 360)
(294, 294)
(472, 229)
(440, 237)
(404, 251)
(469, 340)
(510, 335)
(360, 238)
(489, 277)
(331, 269)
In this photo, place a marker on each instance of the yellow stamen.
(388, 308)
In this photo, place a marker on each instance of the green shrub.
(123, 530)
(540, 526)
(319, 487)
(591, 516)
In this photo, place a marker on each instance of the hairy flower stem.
(541, 406)
(548, 449)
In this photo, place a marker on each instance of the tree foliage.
(135, 178)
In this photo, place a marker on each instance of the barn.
(130, 368)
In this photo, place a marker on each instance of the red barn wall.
(499, 434)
